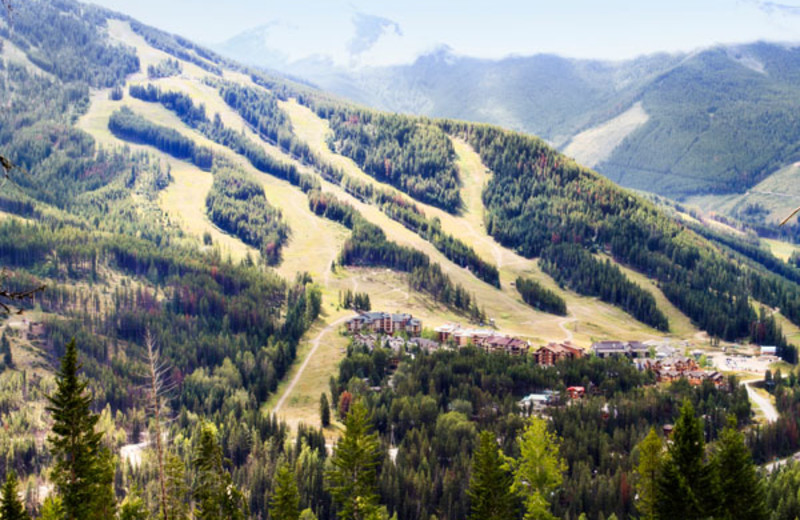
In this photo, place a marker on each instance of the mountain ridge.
(672, 154)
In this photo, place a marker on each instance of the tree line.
(260, 108)
(164, 69)
(195, 117)
(410, 154)
(443, 409)
(539, 297)
(572, 266)
(240, 207)
(129, 126)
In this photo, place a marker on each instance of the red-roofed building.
(551, 354)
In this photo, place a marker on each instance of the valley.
(206, 231)
(315, 242)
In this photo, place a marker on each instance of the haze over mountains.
(716, 121)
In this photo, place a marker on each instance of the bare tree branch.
(787, 219)
(8, 297)
(157, 389)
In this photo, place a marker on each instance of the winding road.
(767, 408)
(316, 341)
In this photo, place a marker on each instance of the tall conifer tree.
(539, 470)
(80, 471)
(490, 484)
(285, 502)
(11, 507)
(647, 472)
(742, 492)
(353, 475)
(688, 485)
(214, 493)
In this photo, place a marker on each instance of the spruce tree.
(647, 472)
(11, 507)
(307, 514)
(80, 472)
(490, 484)
(177, 488)
(52, 509)
(687, 485)
(742, 492)
(133, 507)
(354, 465)
(324, 410)
(214, 493)
(285, 502)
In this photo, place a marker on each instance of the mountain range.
(717, 121)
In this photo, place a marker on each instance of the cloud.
(369, 29)
(778, 7)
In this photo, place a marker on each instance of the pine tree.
(214, 493)
(52, 509)
(11, 507)
(308, 514)
(177, 489)
(324, 410)
(105, 505)
(650, 450)
(490, 484)
(285, 502)
(354, 465)
(133, 507)
(80, 470)
(742, 492)
(539, 470)
(687, 486)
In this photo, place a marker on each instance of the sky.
(380, 32)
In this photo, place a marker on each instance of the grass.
(185, 198)
(595, 145)
(12, 53)
(679, 324)
(302, 406)
(25, 354)
(781, 249)
(790, 330)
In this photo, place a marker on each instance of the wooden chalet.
(552, 353)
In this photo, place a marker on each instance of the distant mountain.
(716, 121)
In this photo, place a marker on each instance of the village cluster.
(395, 331)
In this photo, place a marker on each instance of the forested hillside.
(135, 157)
(715, 121)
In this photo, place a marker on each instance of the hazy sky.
(381, 31)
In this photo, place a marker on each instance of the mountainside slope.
(719, 120)
(226, 212)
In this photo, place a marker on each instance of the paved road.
(299, 373)
(770, 413)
